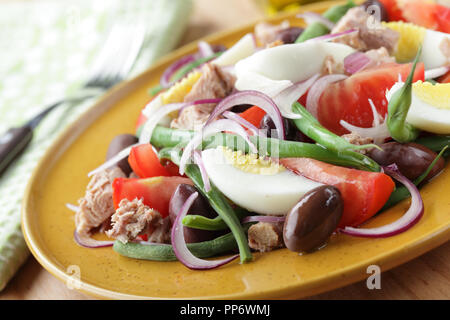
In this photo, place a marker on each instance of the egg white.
(279, 67)
(264, 194)
(432, 55)
(423, 115)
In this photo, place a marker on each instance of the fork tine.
(118, 55)
(106, 50)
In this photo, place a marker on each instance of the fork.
(112, 64)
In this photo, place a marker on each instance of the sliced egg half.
(256, 184)
(435, 44)
(274, 69)
(430, 106)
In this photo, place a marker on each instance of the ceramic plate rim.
(311, 287)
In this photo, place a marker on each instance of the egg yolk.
(252, 163)
(411, 37)
(437, 95)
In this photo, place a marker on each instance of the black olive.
(199, 207)
(310, 223)
(412, 159)
(290, 130)
(241, 108)
(289, 35)
(119, 143)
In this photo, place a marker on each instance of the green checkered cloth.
(45, 49)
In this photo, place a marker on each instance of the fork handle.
(12, 143)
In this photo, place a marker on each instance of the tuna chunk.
(356, 139)
(370, 35)
(445, 49)
(265, 236)
(378, 57)
(97, 205)
(214, 83)
(133, 218)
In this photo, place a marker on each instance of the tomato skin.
(145, 162)
(155, 192)
(445, 78)
(253, 115)
(141, 120)
(172, 168)
(442, 15)
(364, 193)
(348, 99)
(393, 10)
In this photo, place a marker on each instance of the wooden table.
(427, 277)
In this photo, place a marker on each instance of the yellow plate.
(61, 178)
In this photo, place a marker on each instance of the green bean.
(402, 193)
(217, 201)
(206, 249)
(155, 90)
(317, 29)
(311, 127)
(166, 137)
(204, 223)
(436, 143)
(191, 66)
(398, 108)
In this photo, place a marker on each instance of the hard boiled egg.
(274, 69)
(435, 44)
(430, 106)
(256, 184)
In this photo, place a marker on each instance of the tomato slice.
(155, 192)
(427, 14)
(393, 10)
(145, 162)
(253, 115)
(349, 99)
(364, 193)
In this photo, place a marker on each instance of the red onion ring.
(111, 162)
(311, 17)
(209, 130)
(436, 72)
(379, 131)
(199, 161)
(165, 78)
(269, 219)
(88, 242)
(288, 96)
(235, 117)
(254, 98)
(333, 36)
(410, 218)
(163, 111)
(316, 90)
(355, 62)
(179, 244)
(205, 49)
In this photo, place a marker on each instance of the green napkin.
(46, 49)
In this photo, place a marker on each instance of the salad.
(287, 138)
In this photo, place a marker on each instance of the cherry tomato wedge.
(145, 162)
(364, 193)
(253, 115)
(155, 192)
(349, 99)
